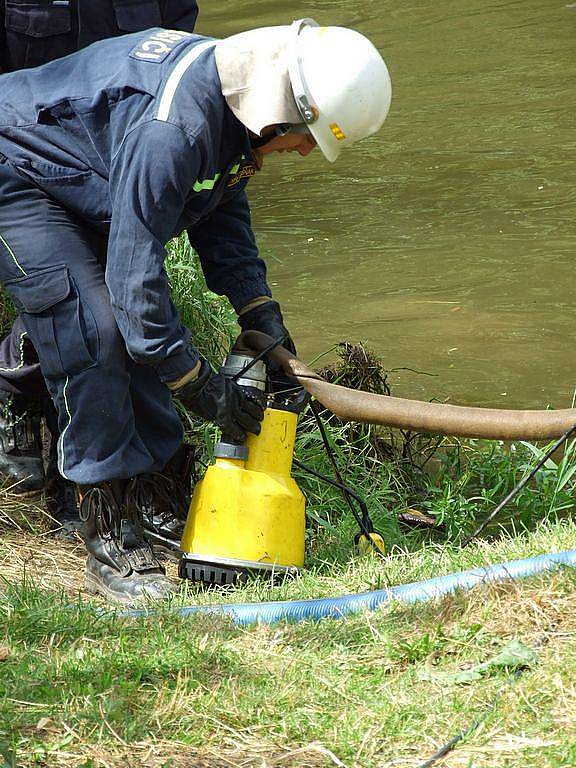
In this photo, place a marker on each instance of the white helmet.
(340, 83)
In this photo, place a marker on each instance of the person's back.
(94, 82)
(69, 125)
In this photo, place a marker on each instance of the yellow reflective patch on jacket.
(200, 186)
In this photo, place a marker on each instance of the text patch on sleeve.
(160, 43)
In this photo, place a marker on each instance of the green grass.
(7, 312)
(81, 687)
(210, 318)
(87, 689)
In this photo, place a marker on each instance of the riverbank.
(84, 689)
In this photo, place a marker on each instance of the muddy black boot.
(61, 496)
(163, 499)
(121, 565)
(21, 467)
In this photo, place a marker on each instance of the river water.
(447, 242)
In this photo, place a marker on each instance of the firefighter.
(104, 157)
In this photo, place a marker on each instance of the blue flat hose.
(336, 607)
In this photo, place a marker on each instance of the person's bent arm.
(149, 180)
(228, 253)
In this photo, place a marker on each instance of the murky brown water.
(447, 242)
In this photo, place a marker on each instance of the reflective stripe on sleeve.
(176, 75)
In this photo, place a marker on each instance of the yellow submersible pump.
(247, 513)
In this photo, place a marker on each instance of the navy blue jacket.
(33, 32)
(131, 140)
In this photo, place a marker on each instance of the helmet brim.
(328, 149)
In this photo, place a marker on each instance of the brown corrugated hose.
(439, 418)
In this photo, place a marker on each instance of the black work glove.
(267, 318)
(223, 402)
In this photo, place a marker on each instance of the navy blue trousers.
(116, 418)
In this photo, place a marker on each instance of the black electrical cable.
(364, 521)
(449, 746)
(516, 490)
(259, 356)
(344, 489)
(365, 515)
(475, 724)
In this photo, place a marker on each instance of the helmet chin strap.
(258, 141)
(282, 129)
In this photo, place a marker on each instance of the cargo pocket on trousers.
(59, 326)
(136, 15)
(37, 32)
